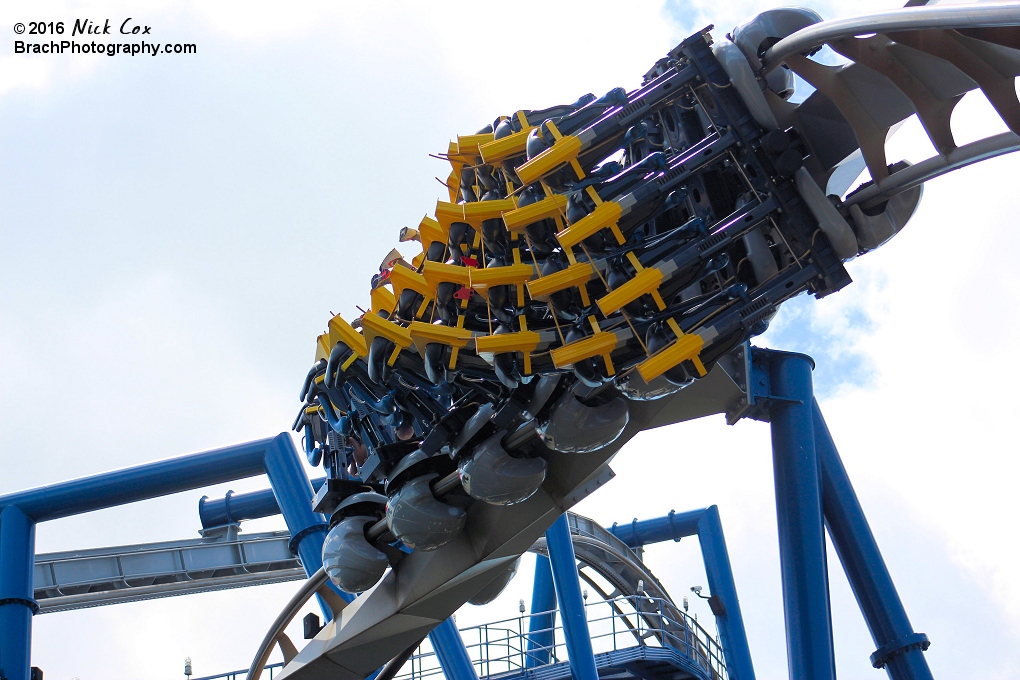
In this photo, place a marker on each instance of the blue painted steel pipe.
(277, 457)
(672, 527)
(706, 525)
(237, 507)
(900, 649)
(293, 494)
(17, 603)
(568, 594)
(141, 482)
(799, 511)
(720, 582)
(541, 636)
(452, 654)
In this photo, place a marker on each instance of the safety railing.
(508, 646)
(243, 674)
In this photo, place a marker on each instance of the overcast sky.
(175, 230)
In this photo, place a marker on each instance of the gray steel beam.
(88, 578)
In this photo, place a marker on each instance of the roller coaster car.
(600, 255)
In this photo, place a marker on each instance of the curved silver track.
(595, 547)
(923, 60)
(599, 550)
(906, 19)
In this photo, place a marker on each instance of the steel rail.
(960, 157)
(906, 19)
(581, 537)
(290, 610)
(392, 666)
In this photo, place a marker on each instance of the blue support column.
(568, 594)
(541, 636)
(720, 582)
(900, 649)
(707, 526)
(17, 604)
(452, 654)
(799, 512)
(293, 494)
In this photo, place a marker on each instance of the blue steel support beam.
(799, 512)
(706, 525)
(273, 456)
(293, 494)
(17, 606)
(452, 654)
(568, 594)
(672, 527)
(141, 482)
(541, 636)
(237, 507)
(720, 582)
(900, 649)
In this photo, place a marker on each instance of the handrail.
(241, 674)
(647, 622)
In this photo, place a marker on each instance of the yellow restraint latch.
(563, 150)
(605, 215)
(551, 206)
(341, 331)
(523, 341)
(425, 333)
(511, 145)
(600, 344)
(403, 278)
(577, 274)
(684, 348)
(645, 282)
(376, 325)
(472, 213)
(469, 144)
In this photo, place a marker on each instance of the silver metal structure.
(88, 578)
